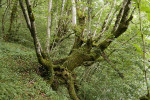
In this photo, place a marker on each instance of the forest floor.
(19, 76)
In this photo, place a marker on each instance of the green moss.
(76, 59)
(104, 44)
(32, 16)
(70, 85)
(48, 63)
(71, 89)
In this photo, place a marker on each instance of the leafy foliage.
(19, 78)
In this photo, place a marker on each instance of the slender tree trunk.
(13, 15)
(3, 21)
(25, 13)
(60, 24)
(63, 6)
(101, 11)
(73, 13)
(48, 27)
(59, 28)
(89, 18)
(56, 18)
(11, 34)
(35, 3)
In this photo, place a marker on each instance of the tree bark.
(60, 29)
(25, 14)
(3, 21)
(73, 13)
(29, 17)
(89, 18)
(47, 45)
(13, 17)
(121, 25)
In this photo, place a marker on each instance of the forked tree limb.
(82, 52)
(118, 29)
(42, 58)
(33, 31)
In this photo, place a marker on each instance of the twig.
(112, 65)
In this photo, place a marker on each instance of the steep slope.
(19, 76)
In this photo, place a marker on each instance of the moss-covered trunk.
(84, 49)
(62, 73)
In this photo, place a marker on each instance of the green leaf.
(138, 49)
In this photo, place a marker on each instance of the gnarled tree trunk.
(84, 49)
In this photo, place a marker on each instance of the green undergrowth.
(19, 78)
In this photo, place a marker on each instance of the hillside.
(74, 50)
(19, 76)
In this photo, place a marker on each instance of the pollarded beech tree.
(88, 43)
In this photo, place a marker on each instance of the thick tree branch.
(59, 41)
(121, 14)
(122, 27)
